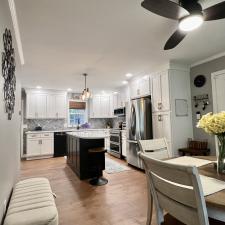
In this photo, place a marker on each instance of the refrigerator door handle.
(131, 141)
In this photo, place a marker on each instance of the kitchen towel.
(189, 161)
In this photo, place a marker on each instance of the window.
(77, 113)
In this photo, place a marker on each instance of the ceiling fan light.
(191, 22)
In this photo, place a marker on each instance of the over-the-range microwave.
(120, 111)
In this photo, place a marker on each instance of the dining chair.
(154, 148)
(176, 190)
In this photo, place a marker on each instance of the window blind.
(77, 105)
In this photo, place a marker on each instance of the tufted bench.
(32, 203)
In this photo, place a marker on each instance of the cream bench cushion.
(32, 203)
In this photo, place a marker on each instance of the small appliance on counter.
(38, 128)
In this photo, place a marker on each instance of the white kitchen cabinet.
(161, 126)
(40, 145)
(140, 87)
(160, 92)
(101, 106)
(44, 104)
(36, 106)
(60, 106)
(33, 147)
(47, 146)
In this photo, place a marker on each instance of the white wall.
(9, 130)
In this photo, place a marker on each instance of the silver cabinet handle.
(160, 118)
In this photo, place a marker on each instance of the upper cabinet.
(44, 105)
(160, 92)
(140, 87)
(101, 106)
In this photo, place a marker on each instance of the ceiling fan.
(189, 13)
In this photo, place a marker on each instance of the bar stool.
(97, 162)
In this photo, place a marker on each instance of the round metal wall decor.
(8, 73)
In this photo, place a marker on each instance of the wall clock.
(8, 73)
(199, 81)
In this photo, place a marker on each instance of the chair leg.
(149, 209)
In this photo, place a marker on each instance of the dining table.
(215, 202)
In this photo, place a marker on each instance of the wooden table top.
(218, 199)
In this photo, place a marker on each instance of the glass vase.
(221, 154)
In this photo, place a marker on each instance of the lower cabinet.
(40, 145)
(162, 127)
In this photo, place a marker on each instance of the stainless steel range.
(115, 143)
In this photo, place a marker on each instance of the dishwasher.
(60, 144)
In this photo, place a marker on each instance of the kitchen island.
(78, 144)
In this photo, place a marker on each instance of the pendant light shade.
(86, 94)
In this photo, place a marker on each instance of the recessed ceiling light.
(69, 89)
(115, 92)
(124, 82)
(129, 75)
(191, 22)
(39, 87)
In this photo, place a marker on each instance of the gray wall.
(9, 130)
(206, 69)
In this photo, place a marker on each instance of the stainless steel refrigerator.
(139, 128)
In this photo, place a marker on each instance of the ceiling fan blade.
(175, 39)
(215, 12)
(165, 8)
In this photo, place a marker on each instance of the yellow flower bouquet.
(215, 124)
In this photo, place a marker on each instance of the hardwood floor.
(122, 201)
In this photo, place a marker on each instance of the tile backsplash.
(46, 124)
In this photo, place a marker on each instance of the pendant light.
(86, 94)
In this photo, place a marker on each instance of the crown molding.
(12, 8)
(208, 59)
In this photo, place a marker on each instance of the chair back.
(154, 148)
(177, 190)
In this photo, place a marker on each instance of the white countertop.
(87, 135)
(66, 130)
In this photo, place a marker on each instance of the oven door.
(115, 149)
(115, 138)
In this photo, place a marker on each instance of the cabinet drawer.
(47, 135)
(32, 136)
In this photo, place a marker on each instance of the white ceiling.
(105, 38)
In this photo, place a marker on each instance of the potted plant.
(215, 124)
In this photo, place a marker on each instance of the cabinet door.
(41, 106)
(165, 95)
(95, 106)
(166, 126)
(60, 106)
(47, 146)
(156, 92)
(33, 147)
(51, 111)
(134, 88)
(157, 126)
(31, 106)
(144, 86)
(115, 101)
(105, 106)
